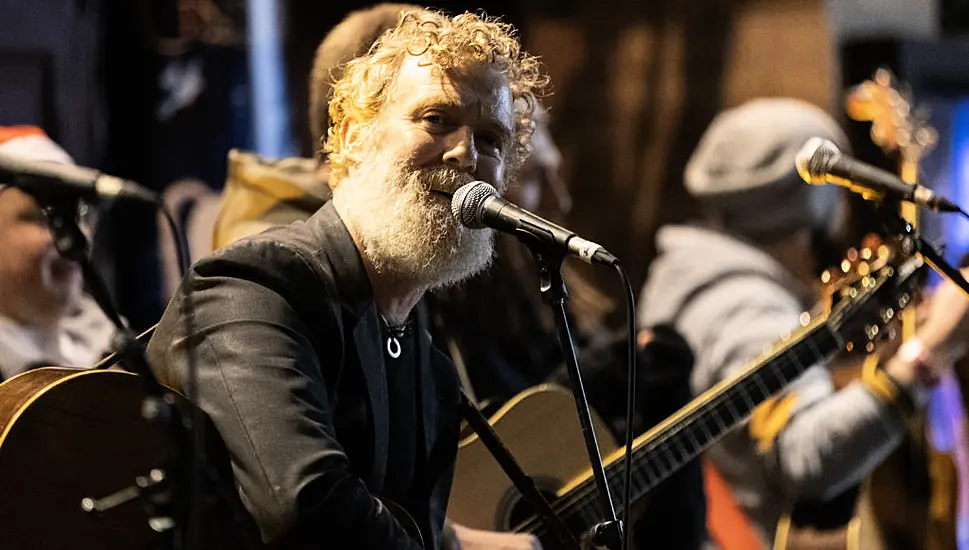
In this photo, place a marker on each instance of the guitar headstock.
(870, 257)
(896, 125)
(868, 306)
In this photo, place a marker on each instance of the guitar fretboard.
(667, 447)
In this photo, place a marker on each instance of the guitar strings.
(586, 492)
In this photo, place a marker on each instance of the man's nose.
(461, 153)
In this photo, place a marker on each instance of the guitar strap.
(521, 480)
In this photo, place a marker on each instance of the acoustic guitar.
(540, 429)
(70, 437)
(67, 435)
(908, 501)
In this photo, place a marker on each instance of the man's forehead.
(476, 86)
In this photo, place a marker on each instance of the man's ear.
(323, 170)
(350, 133)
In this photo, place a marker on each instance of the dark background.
(635, 83)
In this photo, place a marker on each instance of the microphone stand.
(915, 243)
(159, 405)
(608, 532)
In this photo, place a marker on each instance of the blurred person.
(46, 319)
(315, 367)
(737, 282)
(260, 193)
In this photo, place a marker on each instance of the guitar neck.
(909, 171)
(667, 447)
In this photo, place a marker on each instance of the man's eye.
(434, 118)
(490, 140)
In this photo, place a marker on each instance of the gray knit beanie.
(743, 173)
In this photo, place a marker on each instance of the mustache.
(443, 181)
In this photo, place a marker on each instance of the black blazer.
(287, 342)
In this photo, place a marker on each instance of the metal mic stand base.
(609, 532)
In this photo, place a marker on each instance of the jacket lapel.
(429, 402)
(366, 336)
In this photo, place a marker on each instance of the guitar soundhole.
(515, 509)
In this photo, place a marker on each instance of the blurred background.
(158, 91)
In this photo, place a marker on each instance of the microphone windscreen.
(467, 200)
(813, 161)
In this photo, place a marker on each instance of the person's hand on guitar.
(476, 539)
(942, 337)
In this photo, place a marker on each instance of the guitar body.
(67, 434)
(540, 427)
(909, 501)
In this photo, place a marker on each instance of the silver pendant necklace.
(393, 337)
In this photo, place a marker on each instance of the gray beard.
(407, 232)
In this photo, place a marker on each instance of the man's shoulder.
(264, 269)
(256, 277)
(300, 244)
(276, 253)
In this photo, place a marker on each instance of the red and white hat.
(31, 143)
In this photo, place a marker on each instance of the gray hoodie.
(730, 301)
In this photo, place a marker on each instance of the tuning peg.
(871, 331)
(887, 314)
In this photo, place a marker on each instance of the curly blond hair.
(466, 40)
(350, 39)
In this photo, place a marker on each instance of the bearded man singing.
(313, 363)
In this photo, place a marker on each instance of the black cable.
(179, 238)
(964, 214)
(196, 443)
(630, 402)
(199, 471)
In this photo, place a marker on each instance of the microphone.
(477, 205)
(819, 161)
(55, 179)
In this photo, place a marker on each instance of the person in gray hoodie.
(737, 282)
